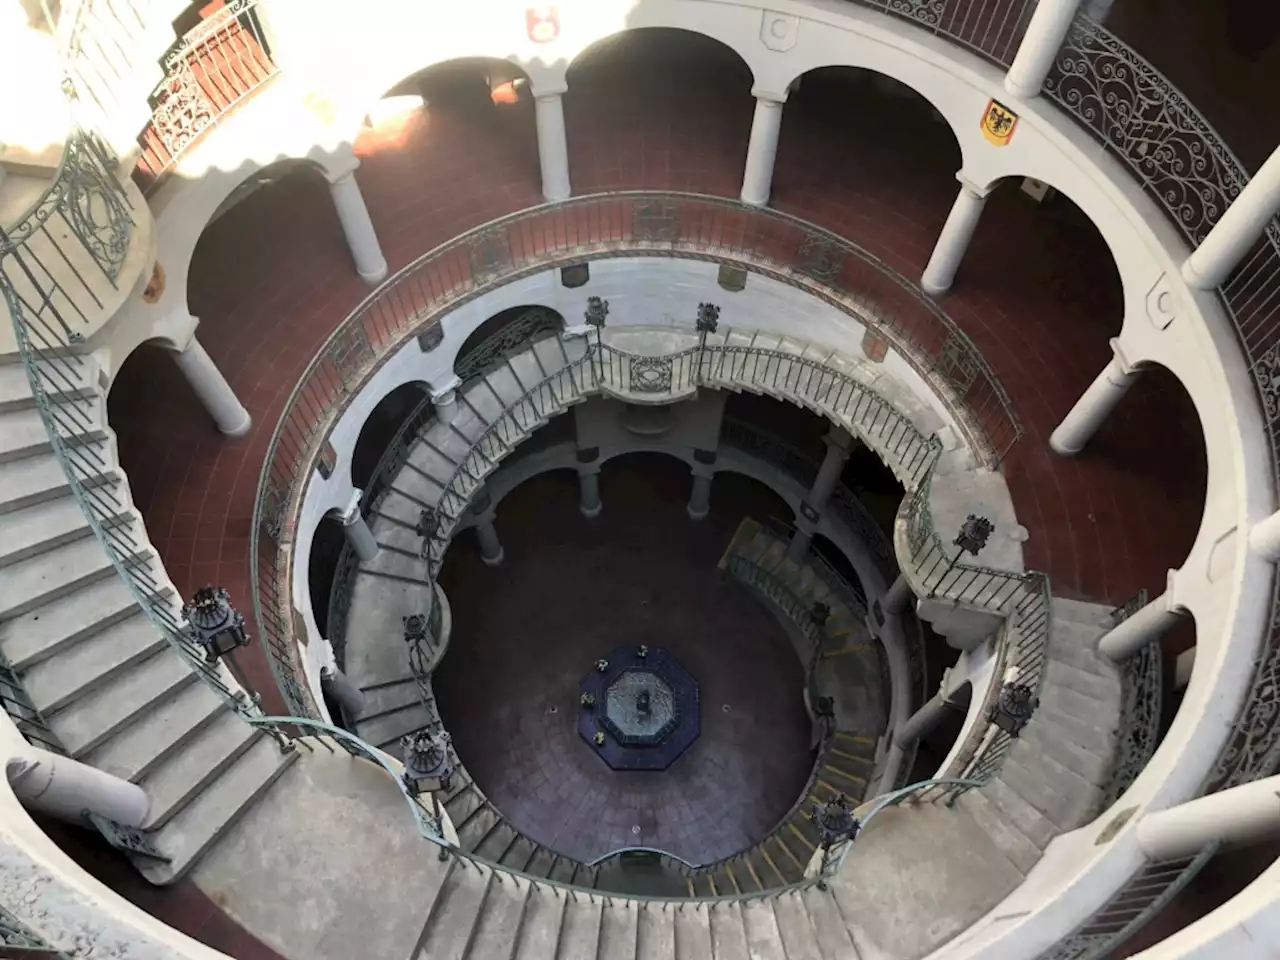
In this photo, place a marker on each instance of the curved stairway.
(85, 670)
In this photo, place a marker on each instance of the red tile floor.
(1038, 294)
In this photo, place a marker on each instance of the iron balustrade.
(1142, 689)
(990, 28)
(413, 300)
(208, 72)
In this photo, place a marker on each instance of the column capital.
(971, 188)
(447, 391)
(341, 174)
(548, 91)
(770, 96)
(350, 513)
(840, 441)
(1126, 367)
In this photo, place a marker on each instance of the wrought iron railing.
(1147, 893)
(632, 224)
(1141, 692)
(210, 70)
(990, 28)
(73, 245)
(474, 360)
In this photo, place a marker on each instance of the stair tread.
(137, 749)
(580, 934)
(33, 581)
(1098, 740)
(473, 831)
(691, 938)
(800, 941)
(496, 844)
(49, 522)
(728, 934)
(69, 379)
(386, 730)
(618, 931)
(1064, 808)
(22, 432)
(90, 720)
(833, 936)
(57, 681)
(764, 939)
(30, 480)
(544, 914)
(1024, 817)
(455, 912)
(1106, 690)
(499, 924)
(389, 697)
(1017, 848)
(44, 630)
(202, 821)
(1072, 755)
(178, 779)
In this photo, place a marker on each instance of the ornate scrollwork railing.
(1141, 685)
(493, 350)
(990, 28)
(215, 66)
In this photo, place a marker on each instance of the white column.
(1148, 625)
(1264, 538)
(798, 548)
(342, 691)
(1238, 230)
(953, 242)
(553, 145)
(213, 390)
(491, 552)
(589, 492)
(762, 148)
(445, 399)
(700, 496)
(66, 788)
(1097, 10)
(923, 720)
(357, 227)
(898, 597)
(1084, 419)
(839, 445)
(1244, 814)
(1040, 45)
(357, 530)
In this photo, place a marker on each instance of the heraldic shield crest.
(998, 123)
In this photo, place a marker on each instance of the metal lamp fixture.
(1014, 706)
(216, 625)
(426, 527)
(597, 311)
(836, 825)
(428, 766)
(974, 534)
(708, 319)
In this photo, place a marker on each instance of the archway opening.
(505, 333)
(380, 429)
(687, 102)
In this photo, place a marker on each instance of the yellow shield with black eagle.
(998, 123)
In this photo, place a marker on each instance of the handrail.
(623, 851)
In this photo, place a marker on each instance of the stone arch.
(632, 41)
(380, 428)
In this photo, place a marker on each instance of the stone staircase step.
(764, 939)
(580, 934)
(55, 682)
(394, 535)
(41, 526)
(389, 697)
(179, 779)
(76, 378)
(656, 932)
(1064, 700)
(728, 931)
(95, 718)
(202, 821)
(167, 726)
(495, 846)
(1017, 848)
(36, 479)
(1106, 690)
(463, 804)
(478, 827)
(543, 919)
(50, 575)
(23, 434)
(1065, 810)
(619, 930)
(833, 937)
(799, 939)
(498, 930)
(1051, 740)
(541, 863)
(385, 730)
(1020, 814)
(564, 870)
(51, 628)
(455, 913)
(519, 854)
(1098, 740)
(1053, 772)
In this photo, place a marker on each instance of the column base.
(755, 201)
(240, 429)
(375, 277)
(495, 560)
(591, 512)
(696, 514)
(934, 288)
(1063, 448)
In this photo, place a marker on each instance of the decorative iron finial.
(974, 533)
(216, 625)
(708, 318)
(428, 767)
(597, 310)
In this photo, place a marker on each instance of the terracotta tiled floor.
(1038, 295)
(569, 591)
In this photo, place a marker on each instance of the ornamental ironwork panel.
(350, 353)
(1146, 120)
(925, 12)
(511, 338)
(1145, 895)
(656, 220)
(650, 375)
(1141, 686)
(820, 258)
(182, 111)
(958, 364)
(1266, 374)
